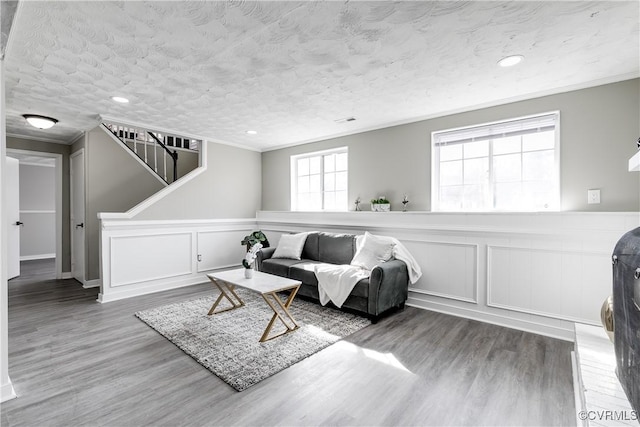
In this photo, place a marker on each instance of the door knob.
(81, 225)
(19, 223)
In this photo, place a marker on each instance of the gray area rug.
(227, 343)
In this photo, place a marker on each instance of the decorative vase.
(606, 316)
(248, 273)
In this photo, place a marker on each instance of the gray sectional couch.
(386, 288)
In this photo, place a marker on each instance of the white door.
(77, 215)
(13, 215)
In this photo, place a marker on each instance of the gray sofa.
(386, 288)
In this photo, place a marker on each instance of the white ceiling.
(290, 69)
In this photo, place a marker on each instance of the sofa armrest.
(388, 286)
(264, 253)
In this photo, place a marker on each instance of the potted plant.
(253, 238)
(249, 258)
(381, 204)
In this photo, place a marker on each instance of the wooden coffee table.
(266, 285)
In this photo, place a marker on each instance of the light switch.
(593, 196)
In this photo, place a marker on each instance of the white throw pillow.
(290, 246)
(373, 250)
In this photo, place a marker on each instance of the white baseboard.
(7, 392)
(34, 257)
(153, 288)
(95, 283)
(67, 275)
(508, 322)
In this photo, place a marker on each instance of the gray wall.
(229, 188)
(598, 130)
(114, 182)
(37, 195)
(47, 147)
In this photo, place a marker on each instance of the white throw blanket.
(335, 282)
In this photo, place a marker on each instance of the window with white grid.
(511, 165)
(319, 181)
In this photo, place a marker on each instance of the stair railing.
(138, 140)
(173, 154)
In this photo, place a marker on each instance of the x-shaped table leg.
(277, 308)
(226, 291)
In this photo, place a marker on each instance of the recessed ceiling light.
(252, 132)
(510, 61)
(40, 122)
(120, 99)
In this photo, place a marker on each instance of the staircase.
(167, 155)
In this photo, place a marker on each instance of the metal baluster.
(145, 149)
(164, 158)
(155, 156)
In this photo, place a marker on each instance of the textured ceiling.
(290, 69)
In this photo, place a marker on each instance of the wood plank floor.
(75, 362)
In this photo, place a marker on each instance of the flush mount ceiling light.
(510, 61)
(40, 122)
(119, 99)
(252, 132)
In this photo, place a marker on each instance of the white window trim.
(435, 161)
(294, 174)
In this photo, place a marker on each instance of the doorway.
(77, 213)
(41, 210)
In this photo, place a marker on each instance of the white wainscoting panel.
(141, 257)
(220, 249)
(136, 259)
(565, 285)
(449, 270)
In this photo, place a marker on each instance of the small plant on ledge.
(381, 204)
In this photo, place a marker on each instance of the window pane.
(314, 165)
(451, 198)
(303, 184)
(538, 166)
(451, 173)
(476, 149)
(342, 162)
(539, 141)
(315, 201)
(473, 197)
(341, 200)
(507, 168)
(508, 196)
(476, 171)
(314, 183)
(329, 181)
(303, 202)
(303, 166)
(506, 145)
(450, 152)
(330, 200)
(540, 195)
(341, 181)
(330, 163)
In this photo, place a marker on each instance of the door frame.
(72, 218)
(58, 198)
